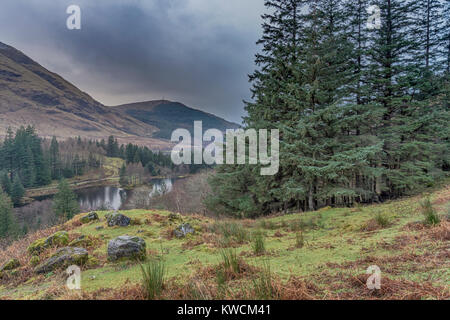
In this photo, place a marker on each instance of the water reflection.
(113, 198)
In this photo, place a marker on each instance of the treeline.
(363, 111)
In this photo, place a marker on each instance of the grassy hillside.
(316, 255)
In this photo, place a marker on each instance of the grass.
(153, 277)
(339, 249)
(230, 260)
(263, 286)
(430, 215)
(259, 243)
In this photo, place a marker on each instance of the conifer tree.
(8, 226)
(18, 191)
(65, 201)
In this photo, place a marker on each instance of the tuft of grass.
(153, 278)
(429, 213)
(263, 285)
(259, 243)
(230, 231)
(230, 260)
(299, 240)
(382, 220)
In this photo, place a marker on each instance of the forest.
(363, 112)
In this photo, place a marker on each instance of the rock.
(118, 219)
(81, 241)
(99, 228)
(183, 230)
(126, 247)
(63, 258)
(58, 239)
(10, 265)
(92, 216)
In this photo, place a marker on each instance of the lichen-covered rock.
(183, 230)
(58, 239)
(63, 258)
(81, 241)
(118, 219)
(126, 247)
(10, 265)
(92, 216)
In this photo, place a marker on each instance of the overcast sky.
(198, 52)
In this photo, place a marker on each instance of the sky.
(198, 52)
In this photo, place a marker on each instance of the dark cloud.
(198, 52)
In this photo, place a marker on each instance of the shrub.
(153, 277)
(259, 246)
(429, 213)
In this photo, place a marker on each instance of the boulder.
(58, 239)
(92, 216)
(63, 258)
(183, 230)
(10, 265)
(126, 247)
(118, 219)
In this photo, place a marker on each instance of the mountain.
(168, 116)
(32, 95)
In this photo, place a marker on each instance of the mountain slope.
(30, 94)
(168, 116)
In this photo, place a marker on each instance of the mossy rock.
(63, 258)
(58, 239)
(37, 246)
(92, 216)
(127, 248)
(10, 265)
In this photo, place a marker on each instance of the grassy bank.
(315, 255)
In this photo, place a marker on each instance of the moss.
(34, 261)
(37, 246)
(10, 265)
(83, 242)
(58, 239)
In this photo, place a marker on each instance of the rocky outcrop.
(126, 247)
(92, 216)
(183, 230)
(58, 239)
(118, 219)
(63, 258)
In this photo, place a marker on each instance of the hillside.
(31, 94)
(168, 116)
(316, 255)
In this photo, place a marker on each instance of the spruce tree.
(5, 182)
(65, 201)
(18, 191)
(8, 226)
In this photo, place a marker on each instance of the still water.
(112, 198)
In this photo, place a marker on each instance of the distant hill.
(31, 94)
(168, 116)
